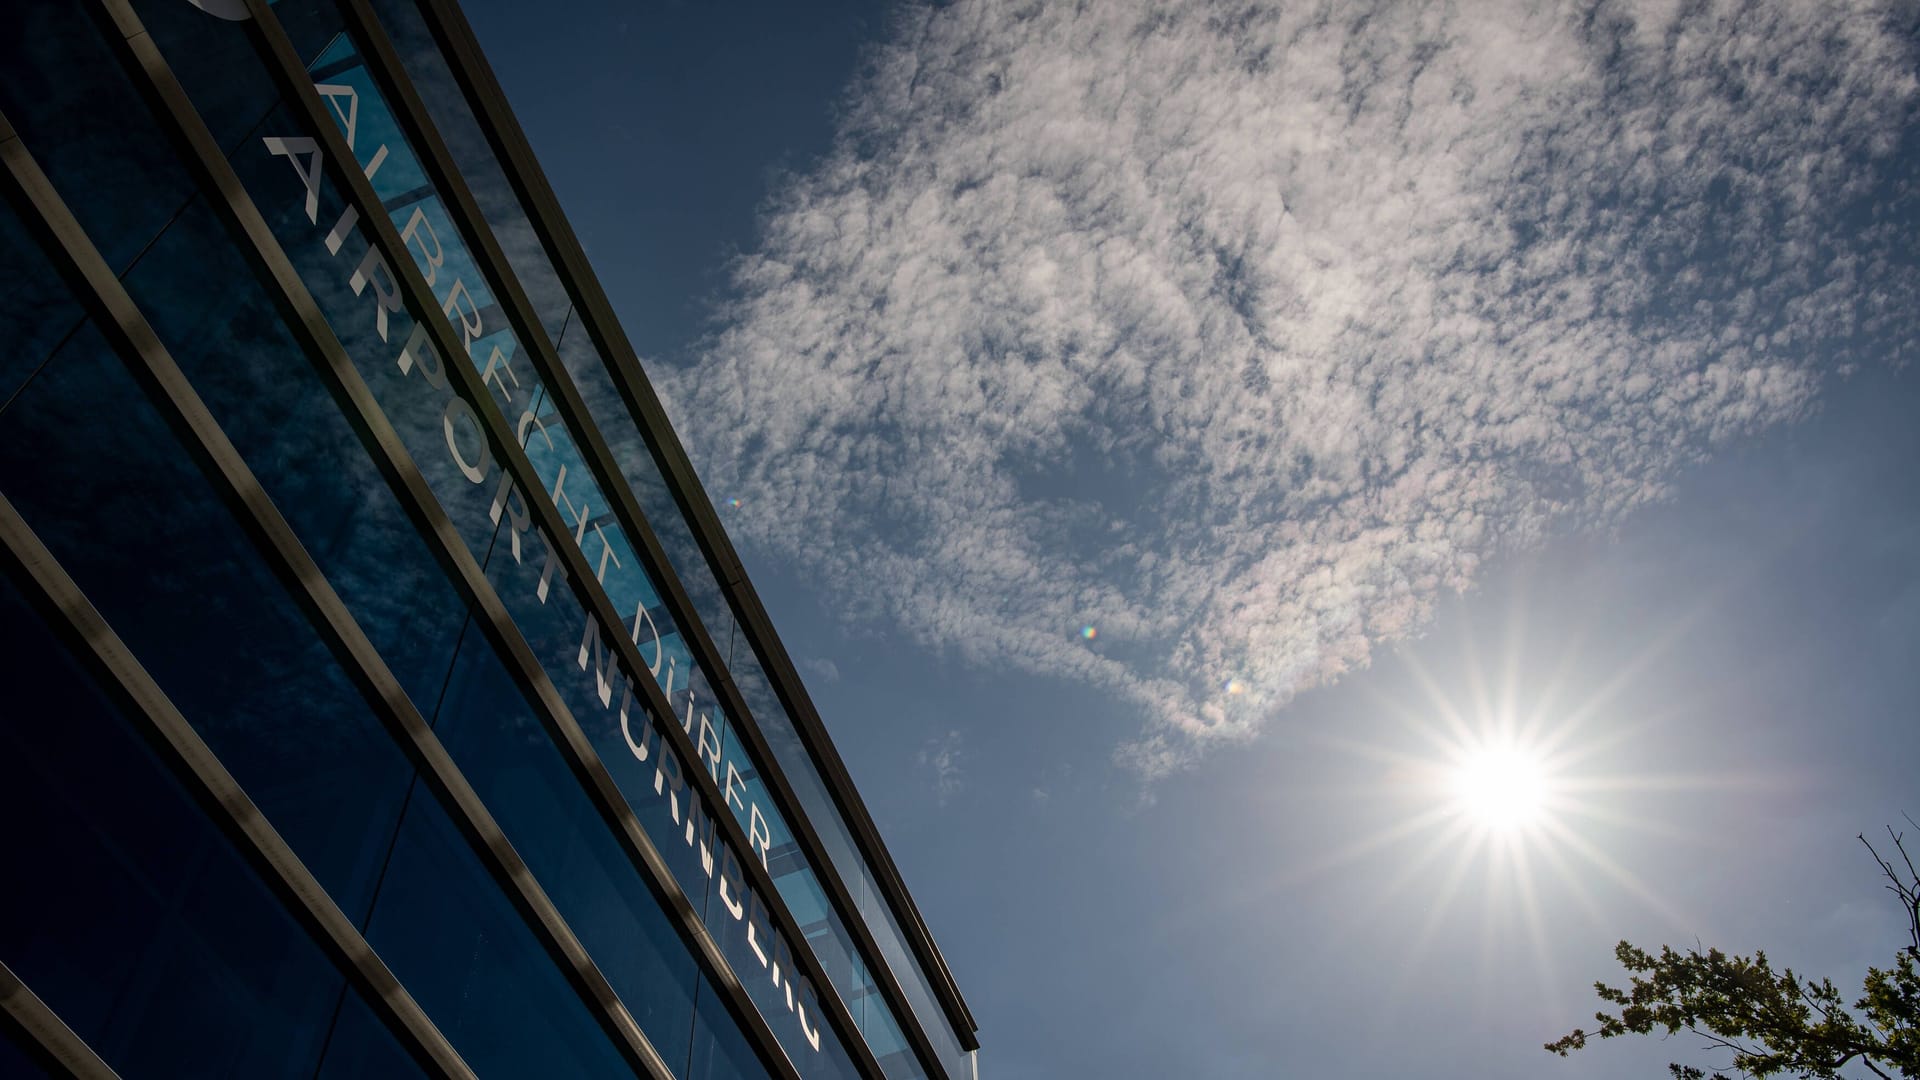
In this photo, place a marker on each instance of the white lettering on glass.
(460, 424)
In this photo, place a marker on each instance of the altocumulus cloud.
(1244, 332)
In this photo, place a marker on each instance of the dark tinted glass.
(65, 94)
(466, 956)
(15, 1060)
(35, 309)
(127, 912)
(231, 91)
(516, 768)
(360, 1047)
(97, 473)
(720, 1051)
(228, 338)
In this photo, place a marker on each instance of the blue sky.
(1368, 385)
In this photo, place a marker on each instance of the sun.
(1503, 788)
(1505, 781)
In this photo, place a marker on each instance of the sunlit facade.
(383, 696)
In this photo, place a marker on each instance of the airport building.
(383, 697)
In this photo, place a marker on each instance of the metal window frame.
(515, 155)
(39, 1030)
(217, 179)
(153, 367)
(382, 61)
(112, 311)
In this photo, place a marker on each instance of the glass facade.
(382, 700)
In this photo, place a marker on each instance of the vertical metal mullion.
(482, 91)
(43, 1031)
(383, 443)
(274, 537)
(384, 63)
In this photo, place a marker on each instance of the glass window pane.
(127, 912)
(16, 1060)
(96, 472)
(518, 771)
(263, 391)
(37, 311)
(57, 79)
(360, 1046)
(468, 959)
(720, 1051)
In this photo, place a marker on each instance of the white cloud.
(941, 754)
(821, 668)
(1242, 333)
